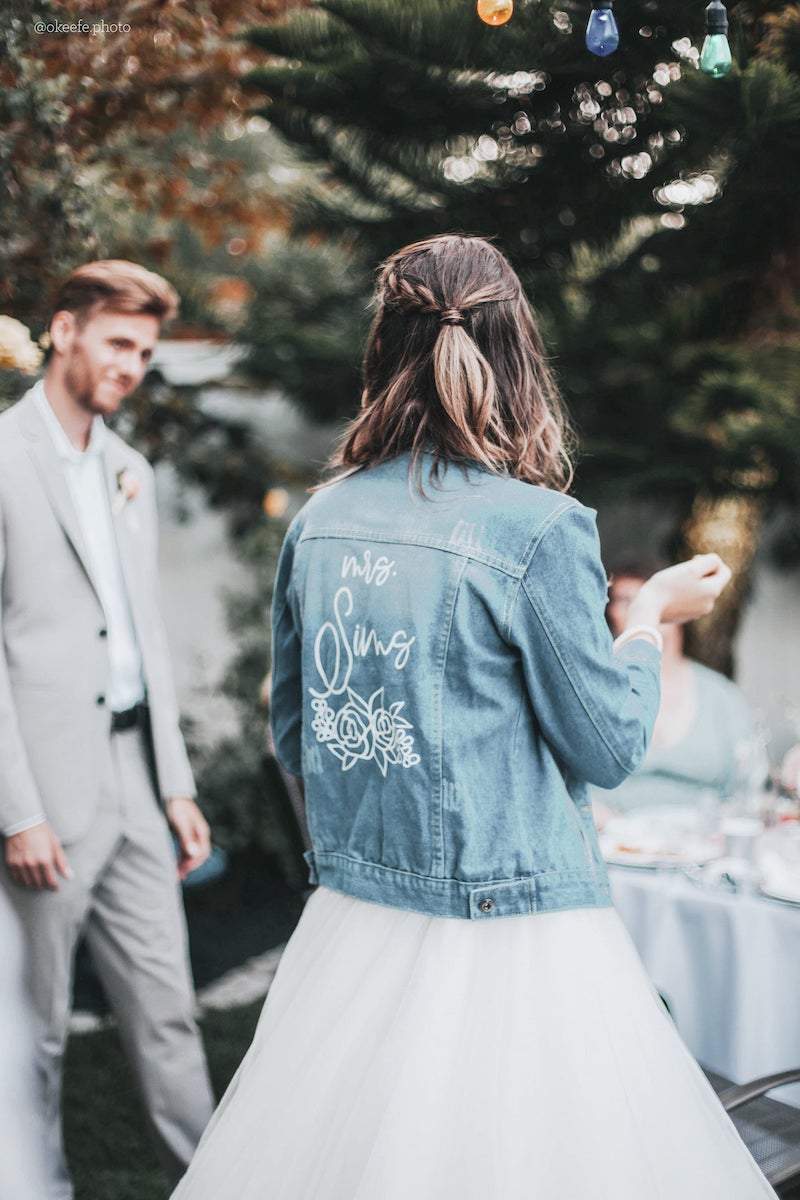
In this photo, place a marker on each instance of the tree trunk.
(730, 526)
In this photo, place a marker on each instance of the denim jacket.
(443, 681)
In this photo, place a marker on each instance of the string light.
(602, 35)
(495, 12)
(715, 57)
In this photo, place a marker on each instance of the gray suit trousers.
(125, 897)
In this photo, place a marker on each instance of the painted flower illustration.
(351, 733)
(363, 730)
(384, 730)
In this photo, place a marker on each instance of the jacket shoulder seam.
(512, 567)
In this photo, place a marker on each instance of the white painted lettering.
(335, 650)
(377, 572)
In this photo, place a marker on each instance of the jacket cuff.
(21, 826)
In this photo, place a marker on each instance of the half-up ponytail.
(455, 365)
(466, 387)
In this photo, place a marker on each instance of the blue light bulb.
(602, 35)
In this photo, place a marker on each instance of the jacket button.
(102, 633)
(487, 905)
(100, 700)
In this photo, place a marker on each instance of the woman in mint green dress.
(704, 738)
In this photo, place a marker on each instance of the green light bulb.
(715, 57)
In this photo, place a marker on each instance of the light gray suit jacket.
(54, 723)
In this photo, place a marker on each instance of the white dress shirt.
(86, 478)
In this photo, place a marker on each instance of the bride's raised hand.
(680, 593)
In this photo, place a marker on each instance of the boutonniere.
(127, 489)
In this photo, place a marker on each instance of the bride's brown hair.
(455, 364)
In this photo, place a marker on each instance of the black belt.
(130, 718)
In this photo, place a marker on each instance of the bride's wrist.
(647, 607)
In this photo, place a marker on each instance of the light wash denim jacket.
(443, 680)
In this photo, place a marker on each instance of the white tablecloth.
(727, 965)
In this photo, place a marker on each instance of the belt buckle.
(129, 718)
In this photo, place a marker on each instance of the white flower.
(17, 351)
(127, 489)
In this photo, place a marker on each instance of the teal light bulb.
(715, 57)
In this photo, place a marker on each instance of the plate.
(658, 836)
(692, 855)
(779, 863)
(777, 893)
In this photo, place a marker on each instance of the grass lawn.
(108, 1144)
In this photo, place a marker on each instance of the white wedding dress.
(404, 1057)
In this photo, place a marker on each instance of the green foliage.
(97, 119)
(228, 1035)
(241, 795)
(13, 384)
(651, 212)
(45, 202)
(395, 100)
(217, 453)
(307, 323)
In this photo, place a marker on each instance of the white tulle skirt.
(404, 1057)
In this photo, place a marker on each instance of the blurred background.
(265, 155)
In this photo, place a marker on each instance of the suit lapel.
(54, 481)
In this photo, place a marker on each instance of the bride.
(460, 1014)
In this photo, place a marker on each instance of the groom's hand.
(192, 832)
(36, 858)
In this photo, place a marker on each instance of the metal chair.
(769, 1128)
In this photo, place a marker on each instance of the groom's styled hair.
(113, 285)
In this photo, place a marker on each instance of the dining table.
(726, 963)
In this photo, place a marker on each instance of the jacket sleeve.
(596, 709)
(286, 699)
(173, 769)
(20, 802)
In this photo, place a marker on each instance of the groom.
(93, 770)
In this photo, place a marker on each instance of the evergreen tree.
(651, 212)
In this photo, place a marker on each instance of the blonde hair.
(455, 364)
(113, 285)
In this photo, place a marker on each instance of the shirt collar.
(64, 447)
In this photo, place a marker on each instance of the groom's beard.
(96, 390)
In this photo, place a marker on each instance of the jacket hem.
(547, 891)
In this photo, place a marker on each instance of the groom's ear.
(63, 328)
